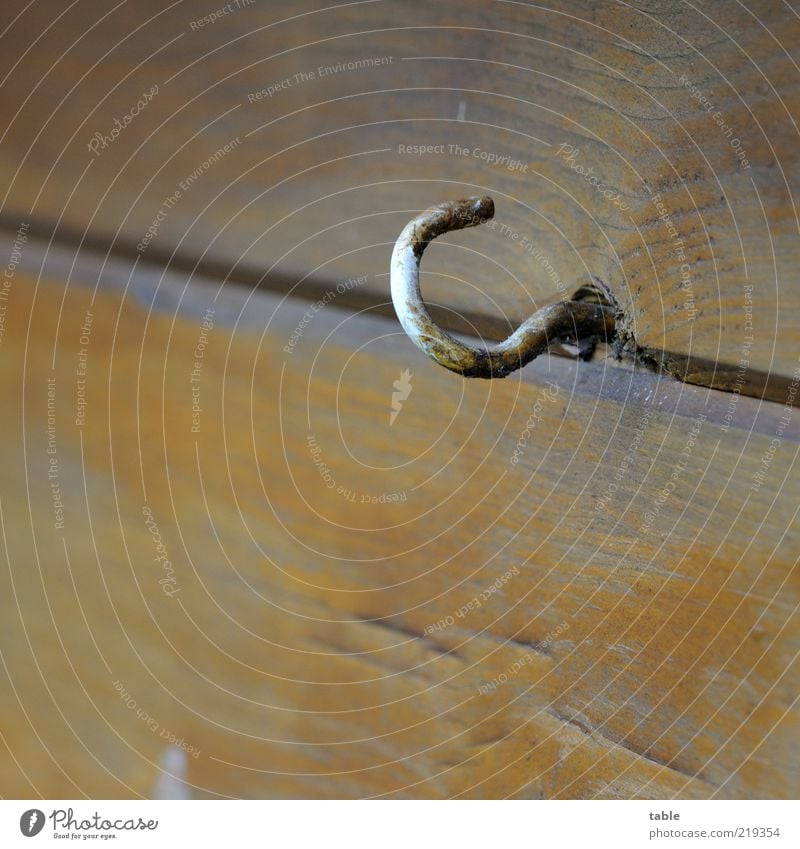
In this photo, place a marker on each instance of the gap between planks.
(162, 279)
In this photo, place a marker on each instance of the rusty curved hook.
(562, 320)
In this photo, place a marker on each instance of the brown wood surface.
(658, 98)
(299, 653)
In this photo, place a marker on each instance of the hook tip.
(482, 208)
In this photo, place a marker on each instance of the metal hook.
(565, 319)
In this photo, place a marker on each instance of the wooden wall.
(569, 625)
(302, 595)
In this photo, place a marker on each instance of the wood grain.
(686, 113)
(306, 648)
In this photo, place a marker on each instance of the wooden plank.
(623, 598)
(686, 113)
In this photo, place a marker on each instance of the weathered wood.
(634, 646)
(687, 113)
